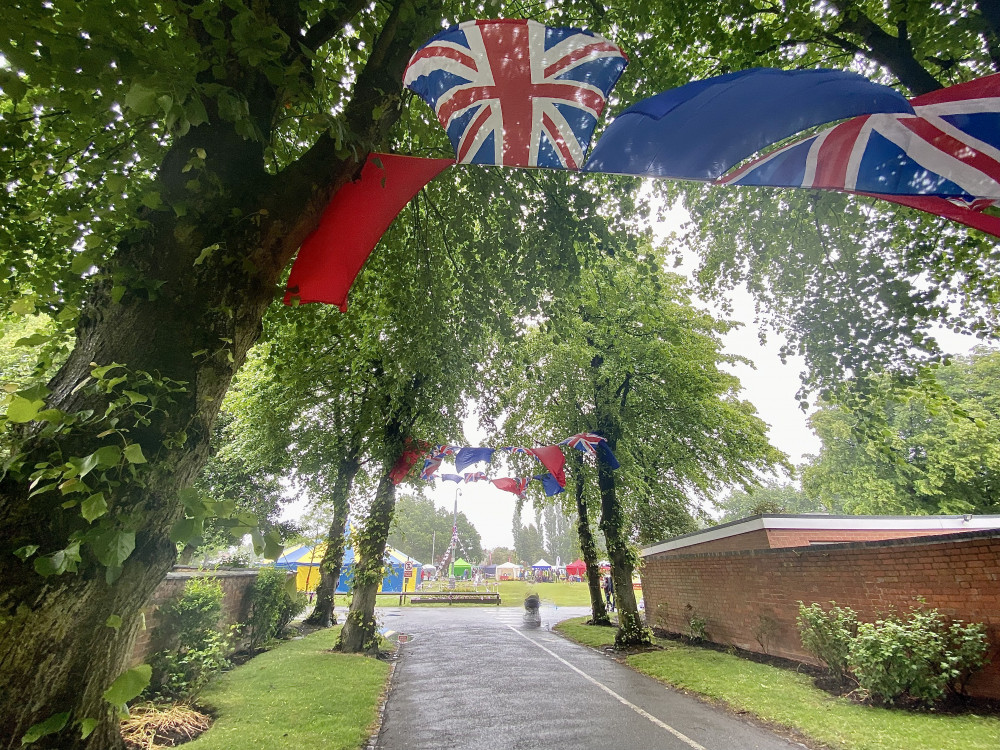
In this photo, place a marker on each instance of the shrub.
(827, 635)
(271, 608)
(196, 648)
(919, 657)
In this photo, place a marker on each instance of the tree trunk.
(333, 558)
(168, 308)
(589, 548)
(360, 633)
(632, 631)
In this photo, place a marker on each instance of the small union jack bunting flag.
(584, 441)
(515, 92)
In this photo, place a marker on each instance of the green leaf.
(21, 410)
(272, 545)
(186, 529)
(113, 546)
(94, 507)
(108, 455)
(87, 726)
(51, 725)
(141, 100)
(114, 622)
(133, 454)
(26, 551)
(87, 464)
(128, 685)
(58, 562)
(206, 253)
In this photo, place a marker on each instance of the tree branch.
(894, 52)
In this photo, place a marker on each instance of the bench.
(442, 597)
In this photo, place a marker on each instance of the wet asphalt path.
(483, 677)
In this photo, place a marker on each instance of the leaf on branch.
(51, 725)
(94, 507)
(21, 410)
(128, 685)
(133, 454)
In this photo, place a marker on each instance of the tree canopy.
(163, 161)
(913, 450)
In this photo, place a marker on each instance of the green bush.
(920, 657)
(196, 648)
(827, 635)
(271, 608)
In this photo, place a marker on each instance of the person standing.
(609, 593)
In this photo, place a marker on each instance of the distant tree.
(530, 545)
(500, 555)
(771, 497)
(933, 447)
(420, 529)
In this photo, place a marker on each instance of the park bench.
(449, 597)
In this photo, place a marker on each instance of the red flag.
(517, 486)
(411, 452)
(552, 458)
(357, 217)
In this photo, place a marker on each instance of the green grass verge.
(790, 699)
(299, 695)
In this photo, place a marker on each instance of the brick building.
(745, 579)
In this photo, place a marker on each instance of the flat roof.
(825, 522)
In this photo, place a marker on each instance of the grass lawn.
(790, 699)
(296, 696)
(560, 593)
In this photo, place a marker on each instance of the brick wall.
(236, 586)
(750, 598)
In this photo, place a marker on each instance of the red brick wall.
(752, 596)
(236, 585)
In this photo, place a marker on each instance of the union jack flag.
(430, 466)
(516, 92)
(476, 476)
(514, 450)
(441, 452)
(949, 149)
(585, 441)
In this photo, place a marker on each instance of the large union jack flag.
(949, 149)
(515, 92)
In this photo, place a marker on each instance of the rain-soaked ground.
(489, 677)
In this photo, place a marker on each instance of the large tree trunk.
(360, 633)
(631, 629)
(588, 547)
(168, 309)
(333, 559)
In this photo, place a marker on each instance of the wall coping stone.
(827, 547)
(821, 521)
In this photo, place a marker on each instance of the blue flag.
(468, 456)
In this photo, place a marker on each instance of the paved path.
(483, 677)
